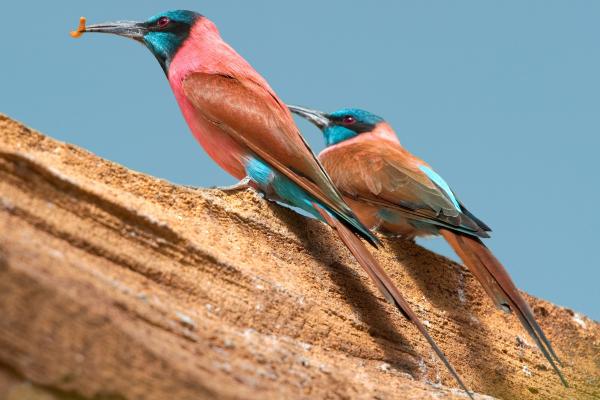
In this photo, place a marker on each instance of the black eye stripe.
(357, 126)
(172, 26)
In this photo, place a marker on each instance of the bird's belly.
(366, 213)
(225, 151)
(387, 221)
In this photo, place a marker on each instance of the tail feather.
(385, 285)
(497, 283)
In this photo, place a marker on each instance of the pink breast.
(205, 51)
(227, 153)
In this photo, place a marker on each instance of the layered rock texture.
(118, 285)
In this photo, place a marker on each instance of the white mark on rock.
(578, 318)
(304, 362)
(62, 176)
(406, 375)
(422, 366)
(461, 289)
(266, 373)
(186, 319)
(324, 369)
(474, 320)
(305, 346)
(6, 204)
(248, 333)
(226, 367)
(526, 370)
(56, 254)
(385, 367)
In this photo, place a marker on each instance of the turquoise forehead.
(177, 15)
(360, 115)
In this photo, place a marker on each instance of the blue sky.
(501, 98)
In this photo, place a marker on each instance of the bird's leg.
(245, 183)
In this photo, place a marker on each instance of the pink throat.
(205, 51)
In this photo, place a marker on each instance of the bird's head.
(340, 125)
(163, 34)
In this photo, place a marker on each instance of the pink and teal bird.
(395, 192)
(246, 129)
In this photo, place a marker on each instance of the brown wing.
(383, 173)
(254, 117)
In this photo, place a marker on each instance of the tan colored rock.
(117, 285)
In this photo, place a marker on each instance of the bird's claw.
(241, 185)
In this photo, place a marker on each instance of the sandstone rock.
(118, 285)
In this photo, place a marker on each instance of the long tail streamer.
(497, 283)
(385, 285)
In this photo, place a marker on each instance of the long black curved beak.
(318, 118)
(130, 29)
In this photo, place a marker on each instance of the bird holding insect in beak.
(242, 124)
(393, 191)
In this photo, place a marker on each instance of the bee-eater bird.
(393, 191)
(242, 124)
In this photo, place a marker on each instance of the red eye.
(163, 22)
(348, 120)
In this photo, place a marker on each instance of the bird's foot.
(244, 184)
